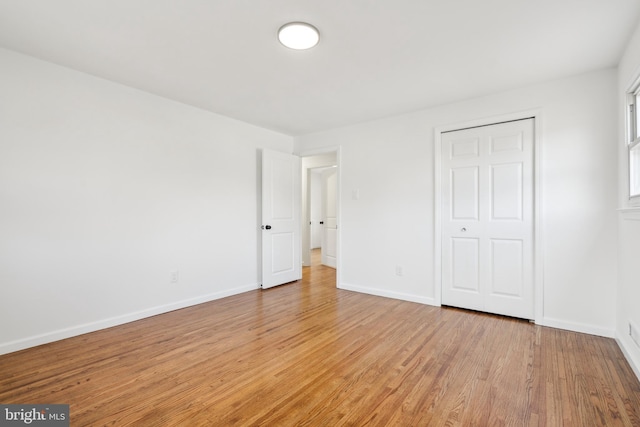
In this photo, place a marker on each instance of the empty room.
(322, 213)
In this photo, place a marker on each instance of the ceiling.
(375, 58)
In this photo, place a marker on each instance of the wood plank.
(310, 354)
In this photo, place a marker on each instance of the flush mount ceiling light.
(298, 35)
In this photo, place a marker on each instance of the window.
(633, 143)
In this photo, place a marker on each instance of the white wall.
(392, 222)
(628, 295)
(104, 190)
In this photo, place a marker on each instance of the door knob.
(462, 229)
(268, 227)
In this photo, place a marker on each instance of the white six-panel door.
(281, 204)
(487, 218)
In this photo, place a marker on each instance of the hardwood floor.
(310, 354)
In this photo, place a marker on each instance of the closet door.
(487, 218)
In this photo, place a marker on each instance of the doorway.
(320, 208)
(285, 214)
(487, 225)
(322, 214)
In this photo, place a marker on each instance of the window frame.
(632, 143)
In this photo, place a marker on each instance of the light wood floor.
(309, 354)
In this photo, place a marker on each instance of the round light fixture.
(298, 35)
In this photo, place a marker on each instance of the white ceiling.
(376, 58)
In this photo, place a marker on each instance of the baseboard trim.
(577, 327)
(60, 334)
(389, 294)
(630, 352)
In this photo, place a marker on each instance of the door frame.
(538, 270)
(304, 221)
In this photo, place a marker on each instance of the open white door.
(329, 217)
(281, 182)
(487, 218)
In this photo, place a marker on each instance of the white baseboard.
(577, 327)
(60, 334)
(388, 294)
(630, 351)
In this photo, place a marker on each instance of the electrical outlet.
(398, 270)
(634, 333)
(173, 276)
